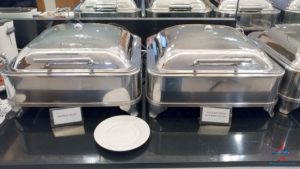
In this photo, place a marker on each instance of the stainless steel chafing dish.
(290, 10)
(283, 45)
(178, 8)
(77, 65)
(107, 8)
(251, 14)
(204, 65)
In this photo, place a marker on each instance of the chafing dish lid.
(108, 5)
(287, 4)
(177, 5)
(245, 5)
(206, 49)
(79, 46)
(282, 43)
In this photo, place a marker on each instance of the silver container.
(283, 45)
(17, 12)
(178, 8)
(8, 43)
(290, 10)
(77, 65)
(204, 65)
(107, 8)
(26, 27)
(251, 14)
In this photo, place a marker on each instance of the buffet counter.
(177, 141)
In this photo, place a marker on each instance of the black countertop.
(177, 140)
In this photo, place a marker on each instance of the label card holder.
(66, 116)
(216, 116)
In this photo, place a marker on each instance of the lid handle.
(250, 7)
(106, 7)
(221, 62)
(180, 7)
(70, 61)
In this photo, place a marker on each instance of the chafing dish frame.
(287, 15)
(179, 10)
(72, 88)
(289, 94)
(250, 20)
(167, 81)
(109, 11)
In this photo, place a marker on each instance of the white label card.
(216, 115)
(66, 116)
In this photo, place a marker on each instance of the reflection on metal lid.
(108, 5)
(207, 48)
(178, 5)
(282, 42)
(287, 4)
(78, 46)
(245, 5)
(88, 36)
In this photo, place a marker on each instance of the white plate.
(122, 133)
